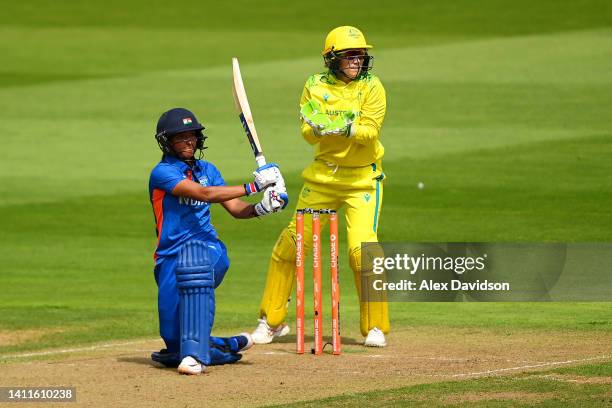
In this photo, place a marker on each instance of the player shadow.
(139, 360)
(148, 362)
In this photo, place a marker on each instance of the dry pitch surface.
(121, 374)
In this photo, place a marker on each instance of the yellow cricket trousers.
(359, 192)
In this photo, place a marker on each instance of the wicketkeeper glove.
(272, 201)
(265, 176)
(341, 126)
(311, 113)
(322, 125)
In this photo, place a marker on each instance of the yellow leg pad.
(279, 282)
(373, 308)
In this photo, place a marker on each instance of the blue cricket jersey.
(180, 219)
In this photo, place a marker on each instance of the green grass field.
(501, 108)
(544, 389)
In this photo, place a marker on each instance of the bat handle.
(260, 159)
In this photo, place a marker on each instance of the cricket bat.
(244, 113)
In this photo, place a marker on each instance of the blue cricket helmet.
(175, 121)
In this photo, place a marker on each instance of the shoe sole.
(189, 370)
(375, 345)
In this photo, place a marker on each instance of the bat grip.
(260, 159)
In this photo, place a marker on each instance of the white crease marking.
(74, 350)
(552, 363)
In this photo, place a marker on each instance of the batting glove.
(272, 201)
(265, 176)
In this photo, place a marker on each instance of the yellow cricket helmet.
(344, 38)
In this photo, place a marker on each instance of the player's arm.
(210, 194)
(239, 209)
(367, 128)
(307, 131)
(271, 202)
(265, 176)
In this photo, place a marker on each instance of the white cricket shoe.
(190, 366)
(264, 334)
(375, 338)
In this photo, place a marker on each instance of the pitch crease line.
(552, 363)
(74, 350)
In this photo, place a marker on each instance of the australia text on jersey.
(338, 112)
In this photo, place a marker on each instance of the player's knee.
(355, 258)
(196, 265)
(221, 266)
(195, 279)
(284, 249)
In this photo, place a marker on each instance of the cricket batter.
(346, 173)
(190, 260)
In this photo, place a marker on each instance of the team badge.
(353, 33)
(187, 121)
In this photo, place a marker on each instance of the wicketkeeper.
(342, 113)
(190, 260)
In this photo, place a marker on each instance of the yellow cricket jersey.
(367, 98)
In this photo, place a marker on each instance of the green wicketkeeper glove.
(340, 126)
(312, 114)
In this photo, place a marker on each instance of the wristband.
(250, 189)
